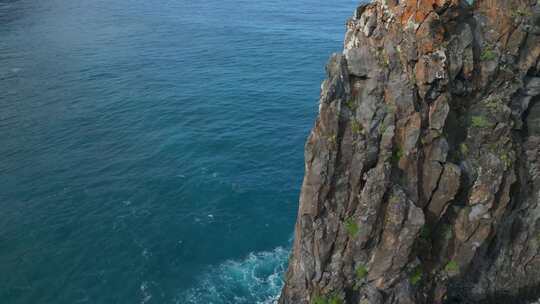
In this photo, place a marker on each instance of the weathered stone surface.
(438, 113)
(422, 180)
(401, 227)
(360, 61)
(447, 188)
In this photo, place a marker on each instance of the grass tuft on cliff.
(416, 276)
(488, 54)
(329, 299)
(361, 272)
(351, 104)
(452, 267)
(356, 127)
(479, 122)
(352, 227)
(397, 154)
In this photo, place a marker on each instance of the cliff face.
(422, 176)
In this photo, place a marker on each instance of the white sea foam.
(146, 295)
(256, 279)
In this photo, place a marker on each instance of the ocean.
(152, 151)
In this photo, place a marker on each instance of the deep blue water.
(152, 151)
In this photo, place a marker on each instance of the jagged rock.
(448, 186)
(422, 180)
(438, 113)
(360, 61)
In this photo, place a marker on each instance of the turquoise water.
(152, 151)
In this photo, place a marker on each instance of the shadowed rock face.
(422, 180)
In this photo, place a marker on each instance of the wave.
(256, 279)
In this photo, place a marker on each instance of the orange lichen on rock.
(416, 11)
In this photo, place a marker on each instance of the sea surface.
(152, 151)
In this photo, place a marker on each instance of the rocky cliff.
(422, 180)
